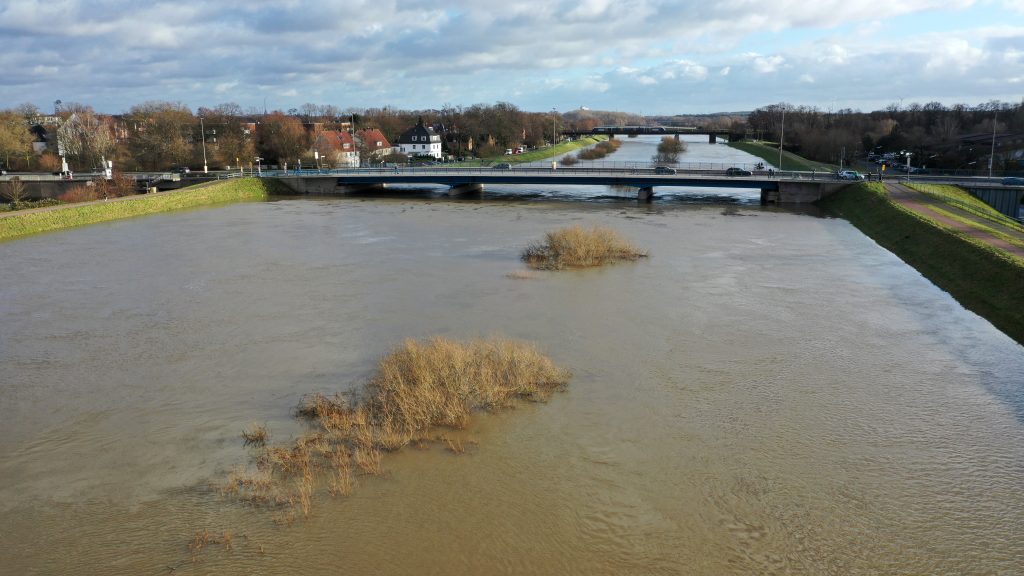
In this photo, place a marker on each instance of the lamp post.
(908, 154)
(259, 168)
(782, 135)
(992, 150)
(955, 170)
(554, 116)
(202, 129)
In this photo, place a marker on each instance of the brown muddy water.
(768, 393)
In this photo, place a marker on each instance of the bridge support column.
(645, 194)
(712, 139)
(466, 189)
(769, 196)
(677, 136)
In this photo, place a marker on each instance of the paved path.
(926, 206)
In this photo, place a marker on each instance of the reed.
(257, 435)
(579, 247)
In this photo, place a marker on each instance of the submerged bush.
(600, 150)
(418, 387)
(578, 247)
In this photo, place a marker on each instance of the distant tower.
(56, 107)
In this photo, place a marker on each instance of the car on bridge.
(664, 170)
(1013, 181)
(502, 166)
(849, 175)
(738, 172)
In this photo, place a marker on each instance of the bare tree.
(13, 190)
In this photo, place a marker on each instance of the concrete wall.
(326, 186)
(797, 192)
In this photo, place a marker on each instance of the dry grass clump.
(579, 247)
(257, 435)
(418, 387)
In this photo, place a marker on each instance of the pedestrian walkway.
(995, 234)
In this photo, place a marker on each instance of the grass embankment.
(420, 386)
(578, 247)
(770, 153)
(537, 154)
(960, 198)
(72, 215)
(983, 279)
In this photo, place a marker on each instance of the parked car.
(1013, 181)
(182, 170)
(502, 166)
(849, 175)
(738, 172)
(664, 170)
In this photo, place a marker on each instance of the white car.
(849, 175)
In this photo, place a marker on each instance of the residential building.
(420, 140)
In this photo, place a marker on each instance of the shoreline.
(21, 223)
(978, 276)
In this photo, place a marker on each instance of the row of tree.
(938, 136)
(161, 135)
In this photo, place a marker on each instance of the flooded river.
(769, 393)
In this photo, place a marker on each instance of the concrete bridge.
(782, 188)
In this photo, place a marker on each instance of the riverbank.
(984, 279)
(790, 161)
(23, 223)
(538, 153)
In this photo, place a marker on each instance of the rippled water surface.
(769, 392)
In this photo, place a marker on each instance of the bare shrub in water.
(579, 247)
(418, 386)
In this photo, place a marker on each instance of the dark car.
(738, 172)
(1013, 181)
(502, 166)
(664, 170)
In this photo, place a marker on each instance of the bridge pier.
(712, 139)
(645, 194)
(677, 136)
(466, 189)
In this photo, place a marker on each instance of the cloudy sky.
(646, 56)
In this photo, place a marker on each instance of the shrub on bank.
(600, 150)
(578, 247)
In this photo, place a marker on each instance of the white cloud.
(361, 52)
(765, 64)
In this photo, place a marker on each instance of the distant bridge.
(613, 131)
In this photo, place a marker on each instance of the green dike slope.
(984, 279)
(17, 224)
(790, 161)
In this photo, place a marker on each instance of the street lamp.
(992, 151)
(908, 154)
(782, 135)
(259, 168)
(203, 130)
(962, 165)
(554, 116)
